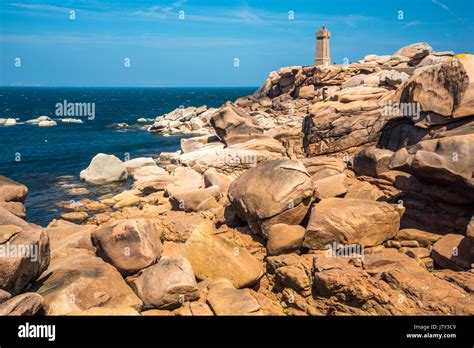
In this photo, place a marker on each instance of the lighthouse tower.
(323, 53)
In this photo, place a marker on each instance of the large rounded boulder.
(447, 161)
(104, 169)
(232, 125)
(278, 191)
(167, 284)
(24, 255)
(349, 221)
(446, 89)
(12, 196)
(129, 245)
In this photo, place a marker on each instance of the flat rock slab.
(224, 299)
(213, 257)
(77, 283)
(283, 239)
(453, 251)
(350, 221)
(25, 304)
(424, 238)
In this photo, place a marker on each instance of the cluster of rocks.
(12, 197)
(24, 252)
(190, 120)
(8, 121)
(41, 121)
(317, 195)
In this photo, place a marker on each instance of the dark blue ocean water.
(48, 159)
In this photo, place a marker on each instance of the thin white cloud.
(446, 8)
(44, 7)
(440, 4)
(412, 24)
(178, 3)
(247, 15)
(159, 12)
(211, 14)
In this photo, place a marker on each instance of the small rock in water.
(79, 191)
(71, 120)
(75, 216)
(10, 122)
(47, 124)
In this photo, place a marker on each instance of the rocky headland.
(332, 190)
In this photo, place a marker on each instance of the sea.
(48, 160)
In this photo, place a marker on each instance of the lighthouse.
(323, 52)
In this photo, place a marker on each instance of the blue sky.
(200, 50)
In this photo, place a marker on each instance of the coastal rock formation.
(79, 282)
(167, 284)
(184, 120)
(372, 161)
(214, 178)
(423, 238)
(284, 239)
(214, 257)
(75, 216)
(445, 88)
(47, 124)
(235, 158)
(365, 190)
(191, 200)
(332, 190)
(12, 196)
(104, 169)
(453, 251)
(232, 125)
(470, 234)
(4, 296)
(446, 161)
(330, 186)
(129, 245)
(404, 287)
(71, 120)
(38, 120)
(284, 185)
(224, 299)
(25, 255)
(28, 303)
(350, 221)
(138, 163)
(8, 121)
(415, 52)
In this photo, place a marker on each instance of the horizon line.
(26, 86)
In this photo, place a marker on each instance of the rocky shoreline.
(338, 190)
